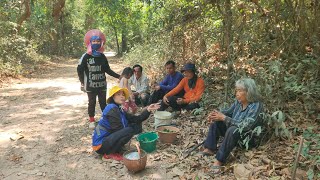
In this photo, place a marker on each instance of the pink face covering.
(87, 37)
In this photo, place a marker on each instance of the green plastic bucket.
(148, 141)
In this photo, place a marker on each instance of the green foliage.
(310, 149)
(197, 111)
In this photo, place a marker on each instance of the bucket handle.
(139, 152)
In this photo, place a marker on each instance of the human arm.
(246, 121)
(113, 116)
(177, 89)
(108, 70)
(198, 91)
(144, 114)
(126, 85)
(168, 85)
(81, 68)
(223, 115)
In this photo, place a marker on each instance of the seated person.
(244, 112)
(117, 127)
(140, 82)
(193, 87)
(130, 105)
(171, 80)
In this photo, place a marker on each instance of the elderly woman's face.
(241, 95)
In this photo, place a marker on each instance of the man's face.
(170, 69)
(137, 72)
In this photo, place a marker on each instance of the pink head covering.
(87, 37)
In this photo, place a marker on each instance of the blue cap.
(189, 66)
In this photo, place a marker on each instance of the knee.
(172, 99)
(144, 96)
(232, 131)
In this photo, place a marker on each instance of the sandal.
(215, 170)
(115, 156)
(202, 153)
(206, 152)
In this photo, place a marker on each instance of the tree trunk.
(26, 14)
(56, 14)
(124, 42)
(117, 41)
(228, 39)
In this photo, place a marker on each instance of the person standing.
(91, 72)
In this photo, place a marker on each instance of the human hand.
(135, 93)
(165, 100)
(180, 101)
(153, 107)
(217, 115)
(157, 87)
(132, 98)
(210, 117)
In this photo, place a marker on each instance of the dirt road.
(44, 132)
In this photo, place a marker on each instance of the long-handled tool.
(188, 152)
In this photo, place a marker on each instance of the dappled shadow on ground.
(44, 134)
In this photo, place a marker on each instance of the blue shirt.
(247, 117)
(170, 81)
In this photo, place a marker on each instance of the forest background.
(276, 42)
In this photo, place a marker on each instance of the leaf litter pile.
(272, 160)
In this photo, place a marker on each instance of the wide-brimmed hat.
(115, 89)
(97, 34)
(189, 66)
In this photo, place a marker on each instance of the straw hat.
(115, 89)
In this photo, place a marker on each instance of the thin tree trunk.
(56, 14)
(228, 39)
(117, 41)
(26, 14)
(124, 42)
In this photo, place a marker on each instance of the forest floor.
(44, 135)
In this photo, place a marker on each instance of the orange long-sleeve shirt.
(191, 95)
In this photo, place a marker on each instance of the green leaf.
(310, 174)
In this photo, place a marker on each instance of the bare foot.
(208, 151)
(217, 163)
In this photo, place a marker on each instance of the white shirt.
(139, 85)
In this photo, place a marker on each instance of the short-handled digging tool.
(188, 152)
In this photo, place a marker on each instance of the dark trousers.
(115, 141)
(175, 106)
(142, 99)
(156, 96)
(92, 97)
(231, 138)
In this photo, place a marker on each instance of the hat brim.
(125, 91)
(183, 70)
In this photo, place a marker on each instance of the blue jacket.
(170, 82)
(114, 119)
(249, 117)
(107, 122)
